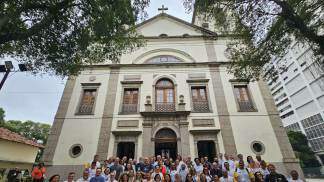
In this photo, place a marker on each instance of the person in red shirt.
(38, 173)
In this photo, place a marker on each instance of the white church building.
(172, 96)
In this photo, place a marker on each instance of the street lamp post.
(7, 68)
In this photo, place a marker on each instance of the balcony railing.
(129, 108)
(164, 107)
(246, 106)
(200, 106)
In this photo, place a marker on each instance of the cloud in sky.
(28, 97)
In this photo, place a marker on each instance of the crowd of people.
(155, 169)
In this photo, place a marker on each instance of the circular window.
(258, 147)
(76, 150)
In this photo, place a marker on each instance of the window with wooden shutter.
(243, 98)
(164, 92)
(199, 99)
(130, 100)
(87, 101)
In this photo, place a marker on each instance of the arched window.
(164, 96)
(163, 59)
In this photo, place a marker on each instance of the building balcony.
(246, 106)
(200, 106)
(164, 107)
(129, 108)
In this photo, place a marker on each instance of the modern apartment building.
(298, 93)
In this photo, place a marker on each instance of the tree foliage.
(63, 35)
(265, 29)
(2, 116)
(299, 144)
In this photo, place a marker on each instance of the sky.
(28, 97)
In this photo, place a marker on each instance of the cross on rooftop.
(163, 9)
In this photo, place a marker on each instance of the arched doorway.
(164, 96)
(166, 143)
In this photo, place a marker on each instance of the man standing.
(12, 175)
(226, 178)
(274, 176)
(70, 177)
(96, 160)
(215, 170)
(229, 160)
(242, 173)
(183, 171)
(98, 177)
(147, 167)
(198, 166)
(294, 177)
(264, 170)
(117, 167)
(85, 177)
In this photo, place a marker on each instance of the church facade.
(172, 96)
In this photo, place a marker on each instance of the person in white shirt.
(226, 177)
(253, 167)
(264, 170)
(207, 175)
(92, 170)
(242, 173)
(156, 171)
(198, 166)
(96, 160)
(239, 158)
(112, 176)
(85, 177)
(106, 174)
(173, 171)
(70, 177)
(230, 171)
(294, 177)
(230, 162)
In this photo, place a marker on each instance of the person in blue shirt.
(98, 177)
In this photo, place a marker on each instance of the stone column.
(184, 134)
(107, 118)
(289, 159)
(148, 144)
(223, 114)
(58, 122)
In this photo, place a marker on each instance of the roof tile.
(6, 134)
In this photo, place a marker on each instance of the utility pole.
(7, 68)
(4, 79)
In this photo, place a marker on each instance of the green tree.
(300, 145)
(29, 129)
(264, 29)
(63, 35)
(2, 116)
